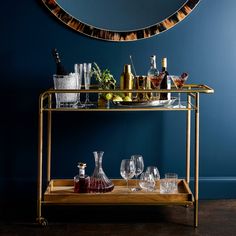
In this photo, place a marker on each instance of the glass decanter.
(99, 182)
(81, 181)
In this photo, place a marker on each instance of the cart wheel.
(42, 221)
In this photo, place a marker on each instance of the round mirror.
(120, 20)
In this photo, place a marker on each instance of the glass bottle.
(99, 182)
(153, 71)
(81, 181)
(165, 84)
(60, 70)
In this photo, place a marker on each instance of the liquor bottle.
(152, 72)
(165, 84)
(81, 181)
(60, 70)
(127, 79)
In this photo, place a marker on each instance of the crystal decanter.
(81, 181)
(99, 182)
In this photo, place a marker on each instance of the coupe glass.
(127, 170)
(87, 79)
(179, 82)
(79, 73)
(139, 167)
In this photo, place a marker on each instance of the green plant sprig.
(104, 77)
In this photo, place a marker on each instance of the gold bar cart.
(60, 191)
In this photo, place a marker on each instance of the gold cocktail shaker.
(127, 79)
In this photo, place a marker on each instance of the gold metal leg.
(49, 138)
(40, 157)
(42, 221)
(188, 140)
(196, 181)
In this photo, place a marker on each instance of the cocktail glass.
(179, 82)
(156, 82)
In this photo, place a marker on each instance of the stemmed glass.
(154, 171)
(87, 77)
(139, 167)
(127, 170)
(147, 181)
(179, 82)
(156, 82)
(78, 68)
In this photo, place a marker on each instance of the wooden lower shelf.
(60, 191)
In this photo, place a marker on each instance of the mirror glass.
(120, 15)
(120, 20)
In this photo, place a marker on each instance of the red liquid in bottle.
(81, 181)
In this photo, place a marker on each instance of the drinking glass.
(87, 79)
(78, 68)
(147, 181)
(179, 82)
(169, 184)
(139, 167)
(127, 170)
(154, 171)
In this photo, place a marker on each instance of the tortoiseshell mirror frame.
(119, 36)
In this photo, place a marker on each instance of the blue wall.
(203, 44)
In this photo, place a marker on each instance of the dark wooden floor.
(216, 217)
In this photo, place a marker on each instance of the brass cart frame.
(60, 191)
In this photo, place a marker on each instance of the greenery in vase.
(104, 77)
(106, 81)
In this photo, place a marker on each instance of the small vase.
(99, 183)
(102, 101)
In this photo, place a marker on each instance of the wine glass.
(127, 170)
(154, 171)
(147, 181)
(179, 82)
(78, 68)
(87, 77)
(156, 82)
(139, 167)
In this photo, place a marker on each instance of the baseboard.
(216, 187)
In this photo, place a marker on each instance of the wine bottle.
(60, 70)
(165, 84)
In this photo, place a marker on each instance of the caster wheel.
(42, 222)
(186, 206)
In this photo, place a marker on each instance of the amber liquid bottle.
(81, 181)
(60, 70)
(165, 84)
